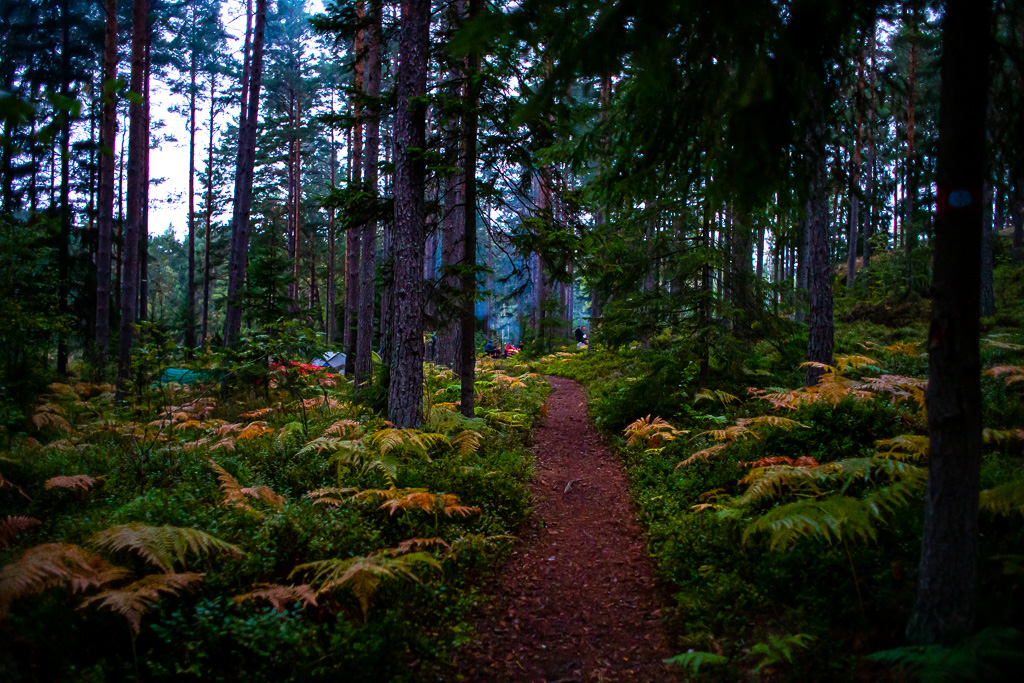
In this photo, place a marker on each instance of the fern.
(363, 574)
(406, 440)
(161, 546)
(346, 429)
(1005, 500)
(137, 598)
(253, 430)
(652, 433)
(466, 443)
(905, 447)
(779, 649)
(994, 654)
(703, 454)
(411, 544)
(418, 499)
(12, 527)
(1002, 436)
(1010, 373)
(260, 412)
(75, 481)
(695, 660)
(280, 596)
(837, 518)
(50, 565)
(722, 397)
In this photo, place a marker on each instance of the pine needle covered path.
(578, 600)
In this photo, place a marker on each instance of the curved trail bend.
(577, 601)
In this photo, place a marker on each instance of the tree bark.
(405, 393)
(144, 225)
(851, 260)
(945, 606)
(368, 241)
(138, 149)
(207, 273)
(819, 271)
(988, 295)
(869, 188)
(353, 234)
(64, 256)
(332, 239)
(243, 182)
(910, 193)
(470, 125)
(190, 296)
(105, 200)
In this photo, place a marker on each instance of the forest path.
(578, 600)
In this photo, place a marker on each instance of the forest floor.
(578, 600)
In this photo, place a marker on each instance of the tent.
(335, 362)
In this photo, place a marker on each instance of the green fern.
(695, 660)
(1005, 499)
(162, 546)
(779, 649)
(994, 654)
(836, 518)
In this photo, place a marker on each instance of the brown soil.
(578, 600)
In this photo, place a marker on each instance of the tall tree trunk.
(368, 241)
(945, 606)
(64, 256)
(405, 393)
(144, 225)
(190, 295)
(353, 234)
(105, 201)
(988, 295)
(910, 194)
(851, 260)
(207, 274)
(332, 239)
(869, 189)
(138, 149)
(243, 183)
(819, 272)
(470, 127)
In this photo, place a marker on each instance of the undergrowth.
(278, 529)
(786, 522)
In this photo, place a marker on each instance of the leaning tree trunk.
(105, 200)
(945, 606)
(405, 393)
(819, 271)
(368, 242)
(244, 168)
(138, 149)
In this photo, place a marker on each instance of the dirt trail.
(577, 601)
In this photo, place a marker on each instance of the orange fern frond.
(411, 544)
(280, 596)
(703, 454)
(260, 412)
(253, 430)
(233, 494)
(652, 433)
(1002, 436)
(45, 419)
(50, 565)
(161, 546)
(466, 442)
(802, 461)
(1011, 373)
(12, 527)
(266, 495)
(446, 503)
(137, 598)
(903, 349)
(345, 429)
(75, 481)
(905, 447)
(226, 429)
(227, 443)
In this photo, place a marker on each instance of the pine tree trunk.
(945, 606)
(190, 295)
(105, 201)
(988, 295)
(138, 148)
(367, 259)
(243, 182)
(470, 125)
(405, 392)
(910, 193)
(869, 188)
(207, 273)
(353, 234)
(332, 240)
(64, 255)
(819, 271)
(855, 189)
(144, 226)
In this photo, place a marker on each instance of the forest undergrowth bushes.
(276, 530)
(787, 521)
